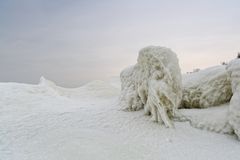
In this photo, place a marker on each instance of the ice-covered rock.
(154, 83)
(234, 109)
(209, 87)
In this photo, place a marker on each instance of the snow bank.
(234, 109)
(209, 87)
(154, 84)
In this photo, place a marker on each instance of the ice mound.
(154, 84)
(209, 87)
(234, 109)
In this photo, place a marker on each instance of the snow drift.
(208, 87)
(154, 84)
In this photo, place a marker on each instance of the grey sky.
(72, 42)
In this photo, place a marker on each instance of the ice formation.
(234, 108)
(154, 84)
(209, 87)
(225, 119)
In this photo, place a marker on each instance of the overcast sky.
(75, 41)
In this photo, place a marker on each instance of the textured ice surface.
(206, 88)
(213, 119)
(154, 84)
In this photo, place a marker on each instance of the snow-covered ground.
(46, 122)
